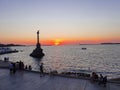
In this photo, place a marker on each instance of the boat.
(83, 48)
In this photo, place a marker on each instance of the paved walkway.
(33, 81)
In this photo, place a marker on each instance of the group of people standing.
(20, 66)
(14, 66)
(100, 79)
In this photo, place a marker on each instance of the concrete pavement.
(32, 81)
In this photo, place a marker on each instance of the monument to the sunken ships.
(37, 52)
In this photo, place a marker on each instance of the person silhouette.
(41, 69)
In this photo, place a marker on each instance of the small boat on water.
(83, 48)
(5, 50)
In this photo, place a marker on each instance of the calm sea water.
(103, 59)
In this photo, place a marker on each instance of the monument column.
(37, 52)
(38, 44)
(37, 37)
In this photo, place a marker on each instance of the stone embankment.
(5, 64)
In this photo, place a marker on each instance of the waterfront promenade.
(25, 80)
(31, 80)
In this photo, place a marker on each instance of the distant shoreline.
(102, 44)
(9, 45)
(109, 43)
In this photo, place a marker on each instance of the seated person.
(94, 76)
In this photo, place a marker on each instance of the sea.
(104, 59)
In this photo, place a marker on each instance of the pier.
(7, 50)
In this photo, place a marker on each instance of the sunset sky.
(59, 21)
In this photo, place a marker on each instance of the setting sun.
(57, 42)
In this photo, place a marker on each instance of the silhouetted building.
(37, 52)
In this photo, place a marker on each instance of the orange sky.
(59, 21)
(60, 41)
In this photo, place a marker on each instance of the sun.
(57, 42)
